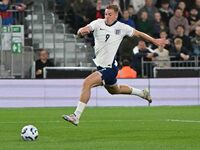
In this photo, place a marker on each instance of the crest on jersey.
(117, 31)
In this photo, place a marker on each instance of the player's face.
(110, 16)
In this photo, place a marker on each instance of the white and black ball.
(29, 133)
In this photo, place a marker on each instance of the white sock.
(137, 92)
(79, 109)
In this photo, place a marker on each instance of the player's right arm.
(84, 31)
(88, 28)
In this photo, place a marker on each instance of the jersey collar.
(112, 23)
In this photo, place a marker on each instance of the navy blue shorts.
(108, 74)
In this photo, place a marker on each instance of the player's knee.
(86, 84)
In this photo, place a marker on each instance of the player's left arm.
(147, 37)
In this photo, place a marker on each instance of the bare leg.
(124, 89)
(119, 89)
(91, 81)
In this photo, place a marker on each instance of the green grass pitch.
(108, 128)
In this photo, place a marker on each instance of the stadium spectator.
(178, 52)
(173, 4)
(132, 13)
(182, 5)
(137, 4)
(188, 3)
(158, 25)
(126, 71)
(196, 42)
(140, 52)
(154, 2)
(7, 17)
(197, 5)
(124, 4)
(178, 19)
(165, 11)
(102, 4)
(21, 6)
(42, 62)
(143, 24)
(162, 60)
(149, 8)
(193, 20)
(158, 3)
(84, 12)
(105, 3)
(126, 19)
(164, 35)
(99, 9)
(115, 2)
(180, 30)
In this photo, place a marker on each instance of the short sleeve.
(129, 30)
(92, 25)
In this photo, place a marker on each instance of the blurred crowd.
(175, 20)
(10, 9)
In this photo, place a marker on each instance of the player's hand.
(160, 42)
(83, 31)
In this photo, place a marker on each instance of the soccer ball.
(29, 133)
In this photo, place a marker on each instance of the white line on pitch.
(186, 121)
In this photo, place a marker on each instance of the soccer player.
(108, 34)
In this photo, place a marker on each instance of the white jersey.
(107, 40)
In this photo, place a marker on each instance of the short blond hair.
(178, 41)
(113, 7)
